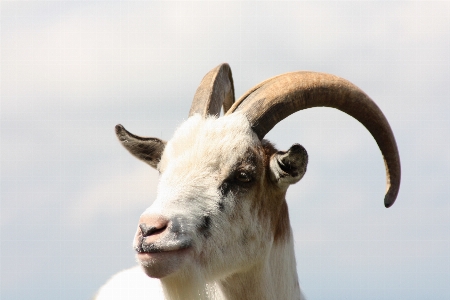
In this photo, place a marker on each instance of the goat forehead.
(197, 159)
(204, 145)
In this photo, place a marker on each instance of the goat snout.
(156, 233)
(152, 225)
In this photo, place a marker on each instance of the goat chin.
(162, 264)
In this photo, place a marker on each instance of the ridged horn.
(215, 90)
(274, 99)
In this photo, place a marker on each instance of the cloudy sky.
(71, 196)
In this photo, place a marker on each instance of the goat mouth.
(151, 248)
(149, 258)
(162, 261)
(159, 260)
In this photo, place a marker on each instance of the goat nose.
(152, 225)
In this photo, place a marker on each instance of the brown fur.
(270, 200)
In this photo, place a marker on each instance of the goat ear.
(148, 150)
(288, 167)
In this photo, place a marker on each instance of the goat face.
(220, 202)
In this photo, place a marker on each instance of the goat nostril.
(151, 230)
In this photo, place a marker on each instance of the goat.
(219, 227)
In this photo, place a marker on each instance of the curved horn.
(215, 90)
(274, 99)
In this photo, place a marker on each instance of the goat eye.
(243, 177)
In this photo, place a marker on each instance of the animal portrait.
(219, 227)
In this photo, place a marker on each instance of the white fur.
(131, 284)
(238, 259)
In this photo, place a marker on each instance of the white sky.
(71, 196)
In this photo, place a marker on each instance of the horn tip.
(390, 198)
